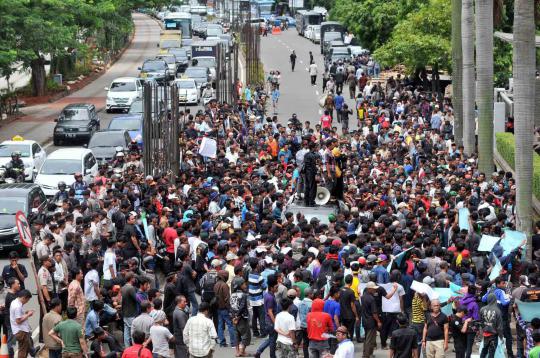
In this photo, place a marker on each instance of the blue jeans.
(270, 341)
(225, 318)
(128, 321)
(193, 303)
(55, 353)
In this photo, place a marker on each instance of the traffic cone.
(276, 30)
(4, 353)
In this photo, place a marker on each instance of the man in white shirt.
(91, 283)
(200, 334)
(109, 263)
(391, 307)
(20, 326)
(285, 326)
(345, 347)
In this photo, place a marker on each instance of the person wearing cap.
(46, 280)
(380, 269)
(345, 347)
(160, 336)
(370, 318)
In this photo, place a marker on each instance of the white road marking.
(307, 69)
(320, 111)
(317, 92)
(301, 61)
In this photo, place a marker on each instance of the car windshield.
(154, 66)
(168, 59)
(131, 124)
(10, 205)
(136, 107)
(206, 62)
(61, 167)
(196, 72)
(107, 140)
(7, 149)
(185, 84)
(179, 53)
(75, 114)
(123, 87)
(214, 32)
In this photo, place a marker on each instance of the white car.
(62, 164)
(313, 33)
(122, 92)
(187, 91)
(32, 154)
(357, 50)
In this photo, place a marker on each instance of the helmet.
(120, 154)
(78, 175)
(16, 153)
(61, 184)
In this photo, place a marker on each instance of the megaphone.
(322, 196)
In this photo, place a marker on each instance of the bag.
(207, 289)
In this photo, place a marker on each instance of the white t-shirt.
(160, 340)
(285, 323)
(16, 311)
(109, 260)
(393, 304)
(345, 349)
(90, 279)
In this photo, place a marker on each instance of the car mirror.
(85, 145)
(88, 171)
(35, 171)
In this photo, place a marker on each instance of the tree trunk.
(38, 76)
(457, 72)
(467, 37)
(524, 96)
(537, 107)
(484, 76)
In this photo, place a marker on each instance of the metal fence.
(227, 73)
(250, 37)
(161, 118)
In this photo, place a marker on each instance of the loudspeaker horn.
(323, 196)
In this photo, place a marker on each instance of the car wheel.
(108, 110)
(56, 142)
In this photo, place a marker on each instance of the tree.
(421, 39)
(524, 96)
(457, 72)
(467, 38)
(484, 76)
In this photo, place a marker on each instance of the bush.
(506, 149)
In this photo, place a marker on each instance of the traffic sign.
(24, 229)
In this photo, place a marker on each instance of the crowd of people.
(134, 265)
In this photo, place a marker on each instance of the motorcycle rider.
(15, 167)
(208, 92)
(119, 161)
(79, 185)
(62, 193)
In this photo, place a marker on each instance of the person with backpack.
(208, 281)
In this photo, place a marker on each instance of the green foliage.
(422, 39)
(372, 21)
(502, 62)
(505, 143)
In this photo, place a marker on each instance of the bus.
(261, 8)
(305, 18)
(330, 26)
(179, 21)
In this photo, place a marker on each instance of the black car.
(104, 143)
(77, 122)
(26, 197)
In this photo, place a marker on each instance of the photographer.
(459, 326)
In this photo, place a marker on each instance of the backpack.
(207, 289)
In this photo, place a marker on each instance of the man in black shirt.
(459, 326)
(130, 235)
(403, 342)
(102, 337)
(370, 318)
(349, 315)
(435, 336)
(309, 171)
(14, 269)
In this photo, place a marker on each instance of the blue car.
(133, 123)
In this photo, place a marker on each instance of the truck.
(204, 49)
(331, 27)
(169, 39)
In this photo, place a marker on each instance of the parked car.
(171, 63)
(104, 143)
(62, 164)
(28, 198)
(133, 123)
(182, 59)
(187, 91)
(313, 33)
(122, 92)
(32, 154)
(206, 62)
(76, 122)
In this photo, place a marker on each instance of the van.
(122, 92)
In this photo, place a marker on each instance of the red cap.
(465, 253)
(452, 249)
(362, 260)
(336, 242)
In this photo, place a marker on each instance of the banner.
(444, 295)
(512, 240)
(208, 148)
(398, 259)
(487, 242)
(463, 218)
(496, 270)
(423, 288)
(528, 310)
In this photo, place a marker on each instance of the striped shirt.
(419, 309)
(256, 287)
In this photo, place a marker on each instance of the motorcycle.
(11, 175)
(207, 96)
